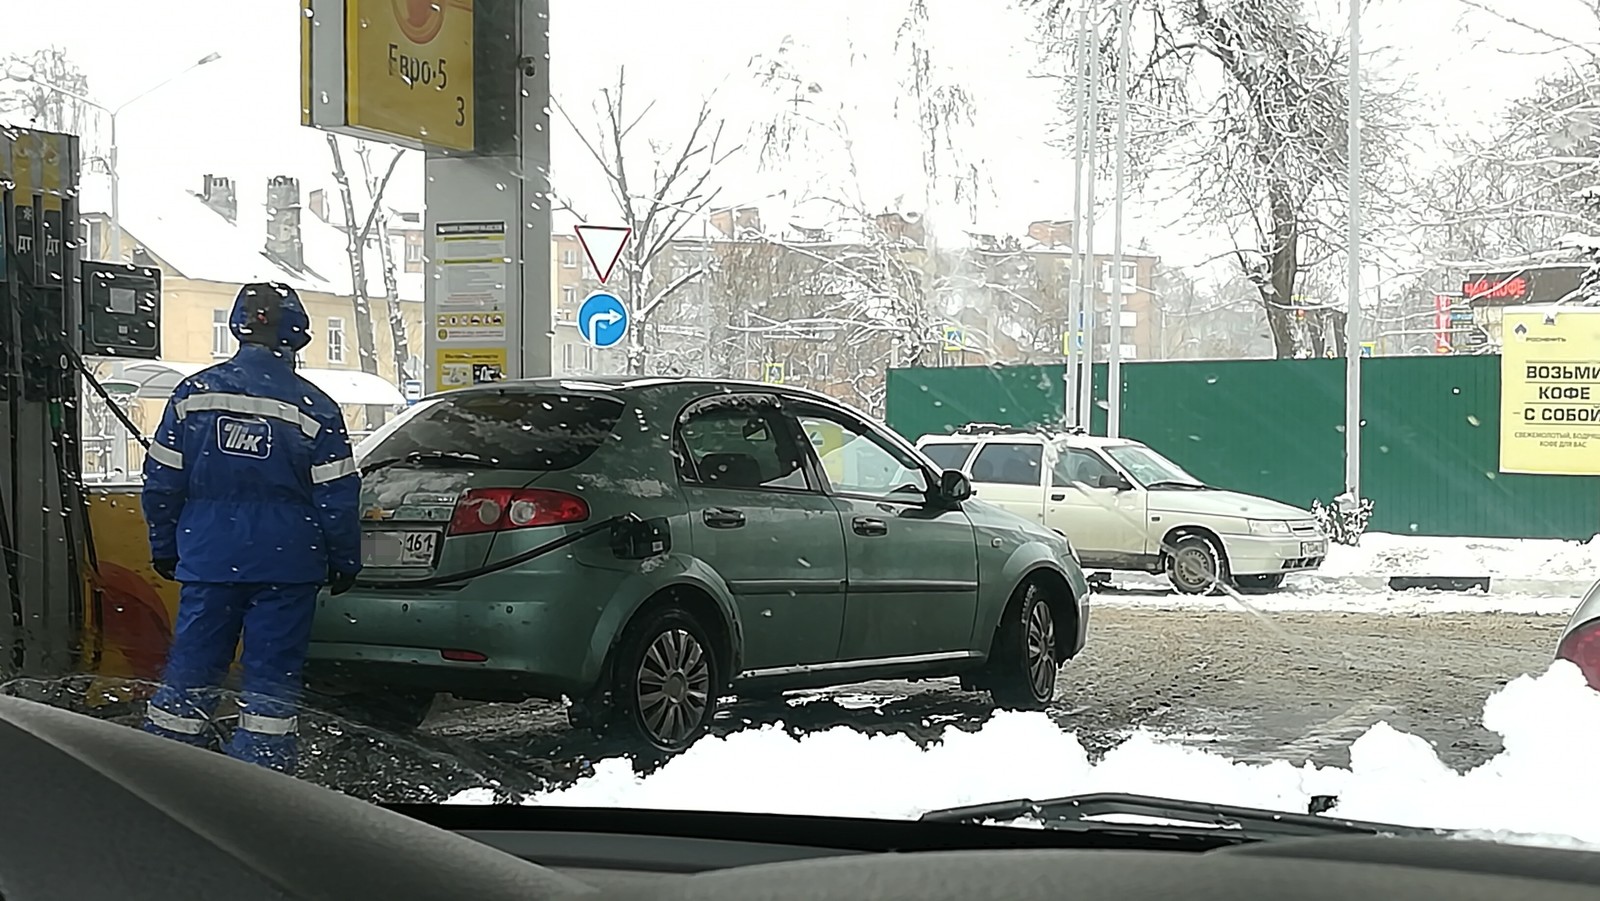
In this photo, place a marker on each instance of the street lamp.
(113, 112)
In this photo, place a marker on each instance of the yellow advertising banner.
(408, 70)
(24, 163)
(1550, 391)
(462, 368)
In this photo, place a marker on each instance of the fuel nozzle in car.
(633, 538)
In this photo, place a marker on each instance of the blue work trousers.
(276, 624)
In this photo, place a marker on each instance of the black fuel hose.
(509, 562)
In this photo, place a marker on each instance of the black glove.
(341, 582)
(166, 568)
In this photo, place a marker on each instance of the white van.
(1126, 507)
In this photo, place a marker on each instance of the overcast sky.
(239, 116)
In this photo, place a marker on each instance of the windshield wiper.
(1248, 823)
(461, 457)
(1175, 483)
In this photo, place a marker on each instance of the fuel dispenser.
(484, 130)
(54, 310)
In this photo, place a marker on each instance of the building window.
(569, 258)
(221, 338)
(569, 300)
(335, 339)
(1130, 277)
(414, 252)
(414, 367)
(577, 358)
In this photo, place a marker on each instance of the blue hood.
(276, 311)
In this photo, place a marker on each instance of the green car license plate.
(399, 549)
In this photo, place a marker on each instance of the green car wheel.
(1026, 661)
(667, 679)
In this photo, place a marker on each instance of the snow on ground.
(1527, 576)
(1308, 595)
(1550, 724)
(1385, 554)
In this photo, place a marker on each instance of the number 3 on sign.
(461, 111)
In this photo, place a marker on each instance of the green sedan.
(644, 546)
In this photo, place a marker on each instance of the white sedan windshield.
(1147, 467)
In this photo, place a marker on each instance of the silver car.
(1580, 641)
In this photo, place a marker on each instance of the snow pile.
(1550, 725)
(1309, 594)
(1384, 554)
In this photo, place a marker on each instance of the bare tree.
(399, 341)
(1265, 154)
(841, 299)
(358, 235)
(813, 119)
(1016, 289)
(878, 284)
(36, 90)
(678, 191)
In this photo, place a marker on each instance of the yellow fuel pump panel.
(131, 623)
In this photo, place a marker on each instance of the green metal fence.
(1429, 442)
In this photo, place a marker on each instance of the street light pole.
(1352, 320)
(111, 156)
(116, 189)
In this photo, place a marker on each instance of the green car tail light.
(483, 510)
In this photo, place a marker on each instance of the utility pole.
(1352, 322)
(1114, 359)
(1077, 272)
(1091, 283)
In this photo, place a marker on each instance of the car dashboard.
(928, 862)
(96, 810)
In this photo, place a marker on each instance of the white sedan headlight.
(1269, 527)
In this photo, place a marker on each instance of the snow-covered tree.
(881, 284)
(36, 91)
(1242, 106)
(1521, 188)
(1517, 189)
(837, 296)
(1017, 289)
(659, 190)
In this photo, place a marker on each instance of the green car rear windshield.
(509, 429)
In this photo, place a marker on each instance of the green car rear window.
(511, 429)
